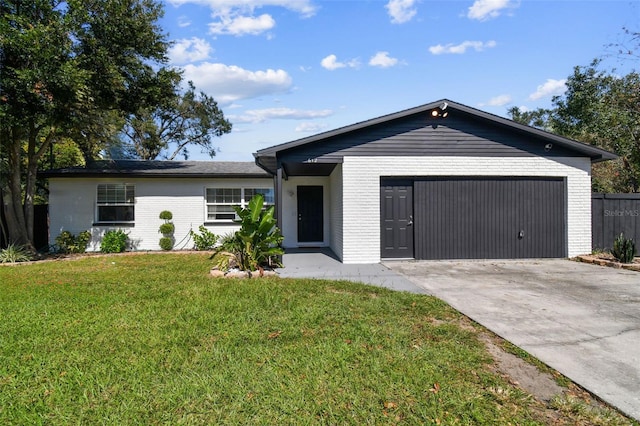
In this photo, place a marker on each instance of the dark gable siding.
(459, 134)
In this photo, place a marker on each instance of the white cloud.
(331, 63)
(401, 11)
(183, 21)
(306, 8)
(229, 83)
(382, 60)
(261, 115)
(483, 10)
(237, 17)
(550, 88)
(500, 100)
(240, 25)
(308, 127)
(189, 50)
(461, 48)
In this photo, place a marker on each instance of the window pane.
(116, 193)
(266, 193)
(223, 195)
(220, 213)
(115, 214)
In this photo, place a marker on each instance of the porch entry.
(310, 214)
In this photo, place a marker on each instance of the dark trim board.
(488, 217)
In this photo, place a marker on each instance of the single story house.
(439, 181)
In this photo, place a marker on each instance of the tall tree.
(601, 108)
(184, 121)
(61, 63)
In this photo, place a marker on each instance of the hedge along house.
(439, 181)
(129, 195)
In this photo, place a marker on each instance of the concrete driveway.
(582, 320)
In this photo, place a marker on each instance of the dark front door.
(310, 217)
(396, 213)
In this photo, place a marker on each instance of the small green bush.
(205, 240)
(114, 241)
(167, 228)
(624, 249)
(166, 243)
(67, 242)
(15, 253)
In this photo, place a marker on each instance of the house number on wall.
(311, 160)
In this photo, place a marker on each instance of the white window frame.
(242, 202)
(120, 191)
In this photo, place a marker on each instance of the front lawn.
(151, 339)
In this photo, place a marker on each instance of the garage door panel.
(495, 218)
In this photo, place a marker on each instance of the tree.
(63, 63)
(600, 108)
(184, 121)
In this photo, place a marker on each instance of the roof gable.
(464, 131)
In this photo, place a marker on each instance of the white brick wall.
(361, 193)
(72, 207)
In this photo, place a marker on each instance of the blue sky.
(287, 69)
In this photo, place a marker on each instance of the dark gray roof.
(167, 169)
(265, 156)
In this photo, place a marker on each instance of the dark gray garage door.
(488, 218)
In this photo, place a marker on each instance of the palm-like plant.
(257, 242)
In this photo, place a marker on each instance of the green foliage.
(601, 108)
(64, 67)
(166, 243)
(67, 242)
(167, 228)
(257, 242)
(166, 215)
(205, 240)
(624, 249)
(114, 241)
(184, 121)
(15, 254)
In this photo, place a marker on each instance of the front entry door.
(310, 216)
(396, 215)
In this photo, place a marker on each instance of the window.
(220, 201)
(115, 203)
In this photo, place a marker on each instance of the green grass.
(151, 339)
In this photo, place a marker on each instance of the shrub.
(114, 241)
(66, 242)
(624, 249)
(166, 243)
(167, 228)
(257, 242)
(14, 253)
(205, 240)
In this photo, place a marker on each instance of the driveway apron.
(580, 319)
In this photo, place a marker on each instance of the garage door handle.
(410, 221)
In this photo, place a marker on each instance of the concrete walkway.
(323, 264)
(582, 320)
